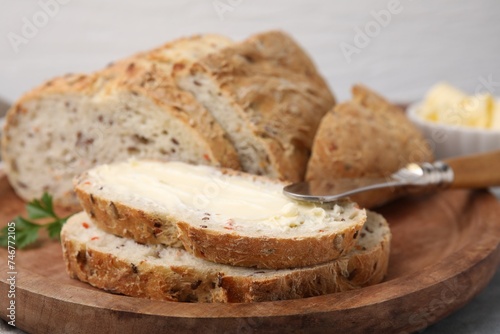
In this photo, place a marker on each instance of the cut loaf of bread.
(365, 137)
(219, 215)
(121, 265)
(268, 96)
(180, 53)
(130, 109)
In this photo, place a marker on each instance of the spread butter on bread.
(219, 215)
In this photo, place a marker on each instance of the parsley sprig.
(27, 230)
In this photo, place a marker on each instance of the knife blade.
(475, 171)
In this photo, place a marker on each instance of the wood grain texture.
(476, 171)
(445, 250)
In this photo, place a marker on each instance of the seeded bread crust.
(275, 251)
(117, 268)
(140, 225)
(365, 137)
(145, 83)
(183, 52)
(267, 252)
(268, 96)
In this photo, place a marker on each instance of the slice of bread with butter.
(220, 215)
(121, 265)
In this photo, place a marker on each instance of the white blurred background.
(401, 54)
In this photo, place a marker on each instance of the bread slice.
(130, 109)
(121, 265)
(179, 54)
(219, 215)
(268, 96)
(384, 141)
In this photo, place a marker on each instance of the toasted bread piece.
(121, 265)
(268, 96)
(130, 109)
(219, 215)
(365, 137)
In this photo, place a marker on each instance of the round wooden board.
(445, 250)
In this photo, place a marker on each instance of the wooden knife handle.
(476, 171)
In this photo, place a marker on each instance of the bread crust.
(107, 272)
(361, 267)
(266, 252)
(274, 87)
(118, 219)
(365, 137)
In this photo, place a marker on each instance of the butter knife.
(474, 171)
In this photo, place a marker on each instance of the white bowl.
(451, 140)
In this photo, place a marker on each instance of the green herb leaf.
(54, 228)
(47, 200)
(36, 212)
(4, 239)
(24, 224)
(41, 208)
(26, 231)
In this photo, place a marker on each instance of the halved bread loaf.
(219, 215)
(365, 137)
(268, 96)
(130, 109)
(123, 266)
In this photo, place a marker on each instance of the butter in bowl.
(455, 123)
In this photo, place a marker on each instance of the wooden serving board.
(445, 250)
